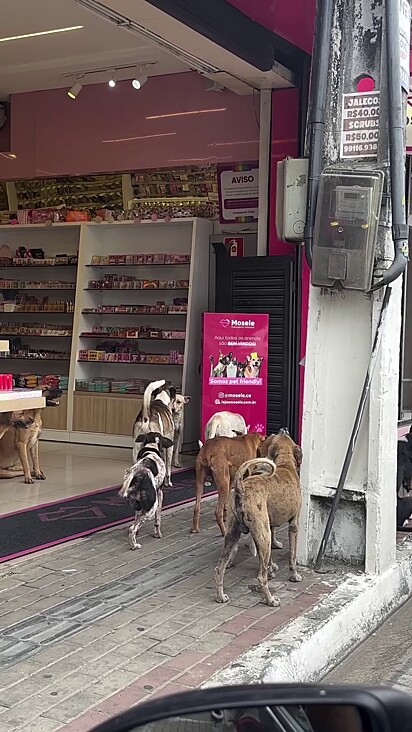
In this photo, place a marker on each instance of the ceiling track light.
(75, 90)
(112, 80)
(139, 79)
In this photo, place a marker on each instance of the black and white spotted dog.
(143, 484)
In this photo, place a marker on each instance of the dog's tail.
(257, 466)
(147, 396)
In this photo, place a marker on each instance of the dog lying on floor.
(143, 483)
(219, 459)
(22, 437)
(266, 495)
(156, 416)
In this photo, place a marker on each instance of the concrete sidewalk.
(91, 628)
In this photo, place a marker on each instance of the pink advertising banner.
(235, 367)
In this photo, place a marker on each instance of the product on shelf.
(34, 329)
(32, 304)
(121, 260)
(159, 309)
(124, 353)
(128, 282)
(6, 284)
(23, 351)
(32, 381)
(113, 386)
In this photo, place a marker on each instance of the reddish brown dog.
(219, 459)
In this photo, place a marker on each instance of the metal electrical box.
(291, 192)
(346, 228)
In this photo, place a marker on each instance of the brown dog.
(266, 495)
(219, 459)
(22, 436)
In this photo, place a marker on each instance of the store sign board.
(235, 367)
(238, 193)
(360, 125)
(404, 41)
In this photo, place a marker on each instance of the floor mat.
(40, 527)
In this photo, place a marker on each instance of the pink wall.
(284, 143)
(53, 135)
(291, 20)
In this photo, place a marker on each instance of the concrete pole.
(340, 333)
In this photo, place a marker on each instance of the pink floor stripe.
(88, 532)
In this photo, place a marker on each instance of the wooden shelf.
(141, 264)
(132, 289)
(36, 267)
(109, 394)
(145, 315)
(127, 363)
(38, 360)
(126, 338)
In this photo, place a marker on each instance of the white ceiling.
(47, 62)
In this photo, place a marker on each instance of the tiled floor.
(91, 628)
(71, 470)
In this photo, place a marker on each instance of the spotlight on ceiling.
(74, 92)
(112, 81)
(138, 82)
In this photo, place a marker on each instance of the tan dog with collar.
(266, 495)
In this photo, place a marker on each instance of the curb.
(309, 647)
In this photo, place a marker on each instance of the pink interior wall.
(54, 135)
(284, 143)
(292, 20)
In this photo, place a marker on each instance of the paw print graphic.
(260, 428)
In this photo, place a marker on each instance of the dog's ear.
(165, 442)
(272, 453)
(187, 399)
(298, 455)
(141, 438)
(172, 392)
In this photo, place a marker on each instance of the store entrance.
(267, 285)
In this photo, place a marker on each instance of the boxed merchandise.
(177, 259)
(167, 285)
(150, 284)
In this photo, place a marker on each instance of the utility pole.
(342, 322)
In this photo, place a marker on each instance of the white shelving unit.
(102, 418)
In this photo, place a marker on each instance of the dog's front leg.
(22, 450)
(168, 465)
(294, 576)
(232, 538)
(34, 453)
(177, 448)
(157, 533)
(133, 533)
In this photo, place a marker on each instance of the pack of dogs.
(257, 479)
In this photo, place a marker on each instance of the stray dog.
(219, 459)
(143, 483)
(252, 366)
(24, 436)
(177, 406)
(404, 464)
(156, 416)
(225, 424)
(266, 495)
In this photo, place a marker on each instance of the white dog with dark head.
(143, 484)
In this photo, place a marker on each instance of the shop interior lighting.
(112, 81)
(41, 33)
(75, 90)
(138, 82)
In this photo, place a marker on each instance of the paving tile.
(71, 707)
